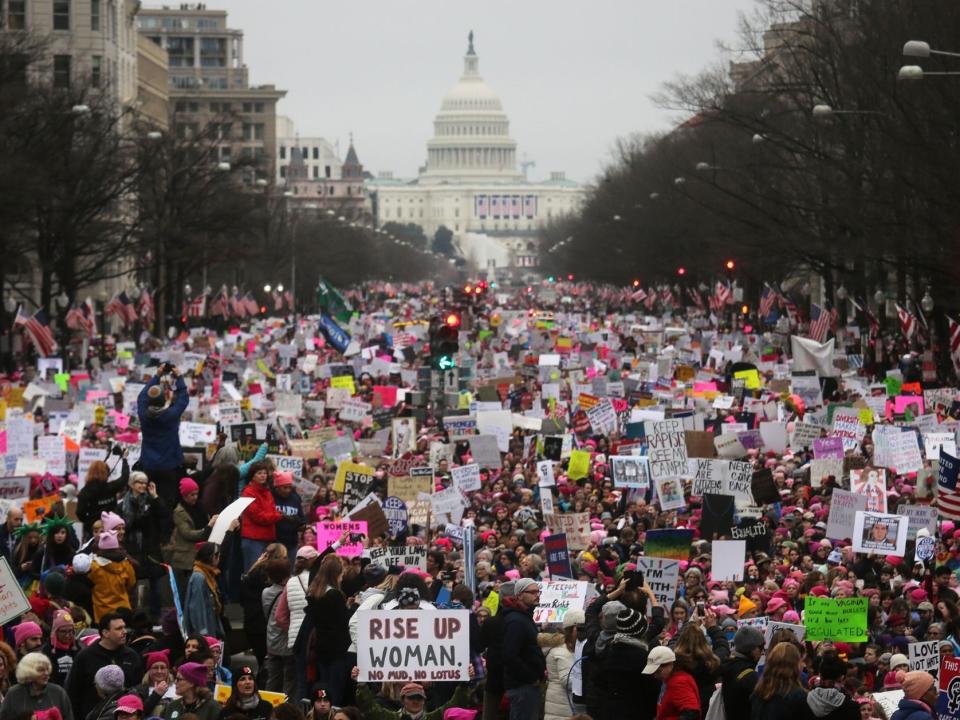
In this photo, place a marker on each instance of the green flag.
(332, 302)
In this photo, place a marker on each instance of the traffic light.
(445, 342)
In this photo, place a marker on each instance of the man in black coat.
(524, 664)
(739, 672)
(491, 633)
(110, 649)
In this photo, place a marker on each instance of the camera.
(701, 610)
(116, 450)
(166, 368)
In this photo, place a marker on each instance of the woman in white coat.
(560, 660)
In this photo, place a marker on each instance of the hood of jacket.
(823, 701)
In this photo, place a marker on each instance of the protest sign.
(407, 488)
(231, 512)
(754, 533)
(924, 656)
(353, 482)
(395, 510)
(354, 410)
(673, 544)
(666, 448)
(670, 493)
(828, 447)
(764, 488)
(466, 477)
(329, 532)
(880, 533)
(287, 463)
(630, 471)
(545, 474)
(920, 516)
(13, 602)
(14, 488)
(222, 693)
(728, 557)
(836, 619)
(36, 510)
(576, 526)
(369, 511)
(847, 427)
(717, 515)
(904, 452)
(843, 510)
(662, 576)
(933, 442)
(822, 468)
(948, 682)
(799, 631)
(738, 482)
(197, 434)
(889, 700)
(872, 484)
(707, 477)
(402, 556)
(51, 449)
(557, 597)
(579, 464)
(558, 556)
(404, 646)
(729, 446)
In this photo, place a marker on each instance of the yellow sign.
(751, 379)
(866, 416)
(3, 409)
(15, 397)
(344, 381)
(99, 415)
(579, 465)
(222, 693)
(262, 367)
(464, 400)
(349, 467)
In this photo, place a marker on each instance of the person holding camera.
(159, 409)
(99, 493)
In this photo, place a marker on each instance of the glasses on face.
(531, 592)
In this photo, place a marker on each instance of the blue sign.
(558, 556)
(395, 511)
(335, 335)
(949, 469)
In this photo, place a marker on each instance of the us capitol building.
(471, 184)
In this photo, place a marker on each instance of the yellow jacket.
(112, 583)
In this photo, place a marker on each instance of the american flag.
(197, 307)
(237, 307)
(872, 322)
(277, 301)
(148, 310)
(767, 299)
(404, 340)
(948, 495)
(791, 307)
(81, 317)
(666, 294)
(819, 323)
(121, 306)
(288, 297)
(38, 329)
(650, 299)
(954, 332)
(639, 295)
(724, 294)
(250, 304)
(219, 304)
(908, 322)
(695, 296)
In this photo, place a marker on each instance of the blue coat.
(912, 710)
(199, 615)
(160, 448)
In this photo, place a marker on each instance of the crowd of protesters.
(130, 601)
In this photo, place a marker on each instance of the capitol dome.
(471, 133)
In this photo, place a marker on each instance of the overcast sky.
(573, 75)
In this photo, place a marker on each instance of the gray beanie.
(608, 615)
(110, 679)
(747, 639)
(508, 589)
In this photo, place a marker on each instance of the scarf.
(210, 574)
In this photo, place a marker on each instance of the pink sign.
(705, 387)
(330, 532)
(901, 402)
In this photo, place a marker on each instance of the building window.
(95, 16)
(96, 70)
(316, 153)
(332, 190)
(61, 71)
(17, 15)
(316, 172)
(326, 170)
(259, 131)
(283, 152)
(283, 171)
(258, 107)
(61, 14)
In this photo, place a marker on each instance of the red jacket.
(259, 520)
(680, 694)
